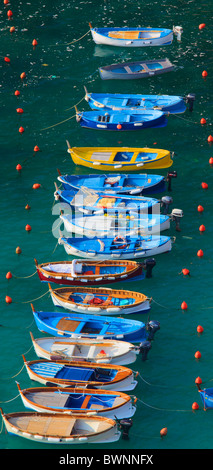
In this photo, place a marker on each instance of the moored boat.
(79, 401)
(135, 70)
(122, 158)
(116, 183)
(206, 396)
(92, 272)
(52, 428)
(69, 374)
(124, 120)
(83, 349)
(121, 247)
(76, 325)
(134, 37)
(100, 300)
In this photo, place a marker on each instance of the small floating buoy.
(200, 208)
(163, 432)
(184, 305)
(18, 167)
(200, 253)
(195, 406)
(204, 73)
(210, 138)
(36, 185)
(201, 26)
(28, 228)
(17, 93)
(21, 130)
(204, 185)
(202, 228)
(12, 29)
(211, 161)
(6, 2)
(7, 59)
(19, 110)
(203, 121)
(197, 355)
(34, 43)
(36, 148)
(185, 271)
(8, 299)
(119, 126)
(9, 14)
(27, 207)
(18, 250)
(23, 75)
(200, 329)
(198, 380)
(9, 275)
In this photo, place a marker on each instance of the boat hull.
(125, 70)
(85, 121)
(108, 41)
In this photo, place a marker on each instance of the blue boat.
(128, 247)
(135, 70)
(116, 183)
(89, 201)
(206, 396)
(132, 102)
(125, 120)
(90, 326)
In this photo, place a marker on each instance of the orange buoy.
(23, 75)
(9, 13)
(200, 208)
(36, 148)
(12, 29)
(202, 228)
(18, 167)
(6, 2)
(203, 121)
(184, 305)
(34, 43)
(21, 130)
(198, 380)
(200, 253)
(201, 26)
(27, 207)
(211, 161)
(210, 138)
(17, 93)
(197, 355)
(204, 185)
(18, 250)
(204, 73)
(195, 406)
(28, 228)
(163, 432)
(8, 299)
(19, 110)
(9, 275)
(36, 185)
(7, 59)
(200, 329)
(185, 271)
(119, 126)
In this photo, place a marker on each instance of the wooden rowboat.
(82, 349)
(100, 300)
(122, 158)
(68, 374)
(52, 428)
(91, 272)
(79, 401)
(132, 37)
(134, 70)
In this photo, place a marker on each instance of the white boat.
(83, 349)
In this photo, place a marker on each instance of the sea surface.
(57, 70)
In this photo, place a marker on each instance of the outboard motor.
(152, 326)
(165, 203)
(178, 30)
(190, 98)
(176, 216)
(170, 175)
(148, 265)
(125, 425)
(144, 348)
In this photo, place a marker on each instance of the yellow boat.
(120, 158)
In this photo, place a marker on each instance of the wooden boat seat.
(46, 399)
(86, 401)
(97, 270)
(88, 297)
(96, 407)
(124, 34)
(69, 325)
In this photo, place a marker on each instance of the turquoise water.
(55, 76)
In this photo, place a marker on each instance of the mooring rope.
(58, 123)
(33, 300)
(72, 42)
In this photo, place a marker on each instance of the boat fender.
(144, 348)
(165, 202)
(148, 265)
(119, 240)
